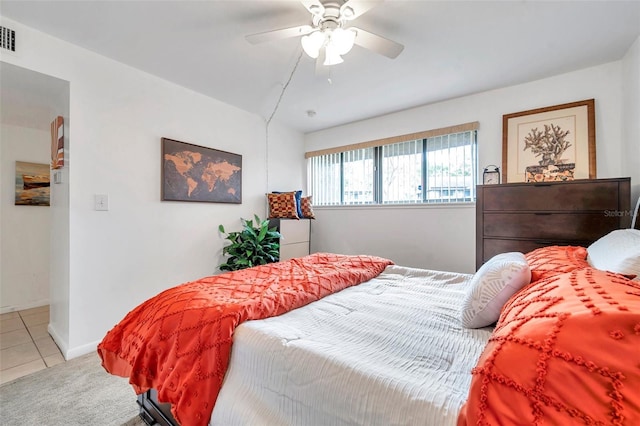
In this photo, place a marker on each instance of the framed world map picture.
(197, 173)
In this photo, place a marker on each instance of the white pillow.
(618, 251)
(491, 286)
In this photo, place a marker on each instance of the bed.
(404, 346)
(388, 351)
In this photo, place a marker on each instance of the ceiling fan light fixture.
(332, 56)
(326, 39)
(312, 43)
(342, 40)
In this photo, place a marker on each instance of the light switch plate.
(101, 202)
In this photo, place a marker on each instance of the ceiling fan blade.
(377, 43)
(358, 7)
(279, 34)
(313, 6)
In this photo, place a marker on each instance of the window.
(357, 170)
(451, 168)
(438, 168)
(401, 172)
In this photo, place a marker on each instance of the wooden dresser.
(295, 236)
(525, 216)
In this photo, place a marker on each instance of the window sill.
(460, 205)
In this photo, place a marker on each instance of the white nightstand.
(296, 234)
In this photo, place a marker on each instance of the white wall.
(24, 247)
(631, 118)
(286, 160)
(141, 246)
(59, 292)
(444, 238)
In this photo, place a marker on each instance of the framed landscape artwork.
(555, 143)
(197, 173)
(32, 184)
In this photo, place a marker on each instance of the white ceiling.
(452, 49)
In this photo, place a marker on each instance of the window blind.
(466, 127)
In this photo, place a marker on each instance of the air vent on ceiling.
(7, 39)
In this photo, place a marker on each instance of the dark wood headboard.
(525, 216)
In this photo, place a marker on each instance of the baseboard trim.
(82, 350)
(63, 345)
(70, 353)
(36, 304)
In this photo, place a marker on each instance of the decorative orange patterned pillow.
(566, 350)
(305, 206)
(549, 261)
(283, 205)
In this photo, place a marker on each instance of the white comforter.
(390, 351)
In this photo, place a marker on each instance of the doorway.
(34, 253)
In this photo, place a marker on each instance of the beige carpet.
(77, 392)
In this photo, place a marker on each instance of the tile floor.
(25, 344)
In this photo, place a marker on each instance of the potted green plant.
(256, 244)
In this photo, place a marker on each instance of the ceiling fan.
(328, 37)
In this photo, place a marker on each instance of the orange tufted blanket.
(566, 350)
(179, 341)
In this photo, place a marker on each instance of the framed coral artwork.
(555, 143)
